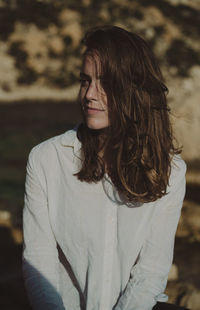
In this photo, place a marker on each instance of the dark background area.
(22, 127)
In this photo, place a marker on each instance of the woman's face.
(92, 95)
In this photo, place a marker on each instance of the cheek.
(82, 93)
(104, 102)
(104, 118)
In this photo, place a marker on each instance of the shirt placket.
(108, 255)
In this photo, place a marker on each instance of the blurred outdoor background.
(40, 48)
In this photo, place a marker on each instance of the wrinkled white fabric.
(86, 249)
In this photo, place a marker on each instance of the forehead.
(91, 65)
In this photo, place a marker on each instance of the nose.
(91, 93)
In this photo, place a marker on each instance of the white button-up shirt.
(84, 248)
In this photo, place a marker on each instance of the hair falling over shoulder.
(138, 144)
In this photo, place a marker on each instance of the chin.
(96, 125)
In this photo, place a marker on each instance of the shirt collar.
(69, 139)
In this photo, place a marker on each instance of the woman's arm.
(40, 257)
(149, 275)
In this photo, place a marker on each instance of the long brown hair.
(139, 143)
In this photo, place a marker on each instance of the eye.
(84, 82)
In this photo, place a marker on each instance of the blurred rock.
(191, 300)
(5, 221)
(34, 39)
(193, 176)
(56, 44)
(177, 292)
(154, 16)
(189, 224)
(33, 43)
(70, 21)
(86, 3)
(53, 30)
(5, 218)
(42, 93)
(186, 113)
(104, 14)
(73, 64)
(8, 72)
(17, 235)
(173, 274)
(191, 3)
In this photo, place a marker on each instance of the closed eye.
(84, 79)
(84, 82)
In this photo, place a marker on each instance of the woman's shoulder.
(178, 171)
(176, 186)
(45, 148)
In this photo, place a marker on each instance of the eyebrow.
(82, 74)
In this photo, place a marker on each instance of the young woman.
(103, 201)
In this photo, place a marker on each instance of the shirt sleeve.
(148, 277)
(40, 255)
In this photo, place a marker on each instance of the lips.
(93, 109)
